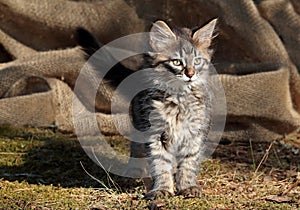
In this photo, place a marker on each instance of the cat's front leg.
(186, 176)
(163, 185)
(161, 170)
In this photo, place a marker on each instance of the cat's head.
(182, 51)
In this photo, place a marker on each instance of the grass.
(42, 169)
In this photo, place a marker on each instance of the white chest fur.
(183, 117)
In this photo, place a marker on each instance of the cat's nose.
(189, 72)
(190, 75)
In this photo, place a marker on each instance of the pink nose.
(189, 72)
(190, 75)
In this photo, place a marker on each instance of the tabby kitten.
(176, 112)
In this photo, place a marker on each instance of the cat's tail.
(88, 42)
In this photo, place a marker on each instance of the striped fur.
(176, 112)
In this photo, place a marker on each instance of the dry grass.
(40, 169)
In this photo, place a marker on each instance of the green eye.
(176, 62)
(197, 61)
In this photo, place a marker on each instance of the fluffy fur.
(176, 112)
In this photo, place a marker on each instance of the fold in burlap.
(48, 24)
(256, 53)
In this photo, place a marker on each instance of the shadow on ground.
(47, 157)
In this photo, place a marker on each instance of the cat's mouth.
(185, 78)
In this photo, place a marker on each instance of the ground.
(45, 169)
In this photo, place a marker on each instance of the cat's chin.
(185, 79)
(172, 86)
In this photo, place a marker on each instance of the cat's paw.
(191, 192)
(157, 194)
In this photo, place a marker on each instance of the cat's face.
(182, 52)
(186, 63)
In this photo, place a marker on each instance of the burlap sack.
(257, 56)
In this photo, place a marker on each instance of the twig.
(264, 158)
(252, 154)
(295, 184)
(94, 178)
(276, 155)
(108, 175)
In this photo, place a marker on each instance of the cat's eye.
(176, 62)
(197, 61)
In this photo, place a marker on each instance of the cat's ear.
(161, 36)
(203, 36)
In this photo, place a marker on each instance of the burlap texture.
(48, 24)
(256, 53)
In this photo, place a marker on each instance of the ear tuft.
(161, 36)
(203, 36)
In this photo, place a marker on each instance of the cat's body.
(176, 111)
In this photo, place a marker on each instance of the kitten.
(176, 112)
